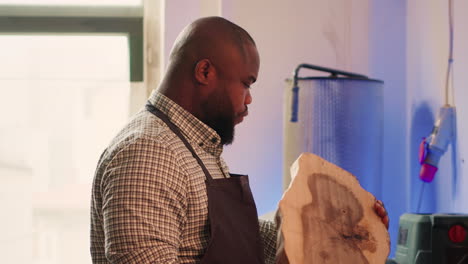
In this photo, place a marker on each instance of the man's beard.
(224, 126)
(219, 115)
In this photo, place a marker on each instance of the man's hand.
(381, 212)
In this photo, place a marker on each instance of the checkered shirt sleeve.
(268, 233)
(143, 205)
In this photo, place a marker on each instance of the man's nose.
(248, 98)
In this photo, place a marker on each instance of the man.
(162, 193)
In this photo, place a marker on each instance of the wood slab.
(325, 216)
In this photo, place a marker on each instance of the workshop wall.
(427, 55)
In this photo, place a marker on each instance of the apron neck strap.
(151, 108)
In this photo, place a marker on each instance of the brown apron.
(234, 227)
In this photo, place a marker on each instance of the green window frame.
(80, 19)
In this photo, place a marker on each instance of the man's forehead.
(252, 58)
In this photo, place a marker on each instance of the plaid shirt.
(149, 202)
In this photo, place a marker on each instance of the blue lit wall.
(387, 35)
(427, 54)
(409, 51)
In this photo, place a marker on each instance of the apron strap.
(176, 131)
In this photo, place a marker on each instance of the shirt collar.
(194, 130)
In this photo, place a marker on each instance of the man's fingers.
(381, 212)
(380, 208)
(386, 221)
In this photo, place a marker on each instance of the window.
(65, 88)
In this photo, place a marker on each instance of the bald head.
(213, 39)
(209, 38)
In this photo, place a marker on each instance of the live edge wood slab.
(325, 216)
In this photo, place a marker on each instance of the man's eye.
(247, 85)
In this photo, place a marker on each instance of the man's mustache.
(245, 112)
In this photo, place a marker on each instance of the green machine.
(432, 239)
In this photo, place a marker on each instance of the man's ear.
(204, 71)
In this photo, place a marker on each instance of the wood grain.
(325, 216)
